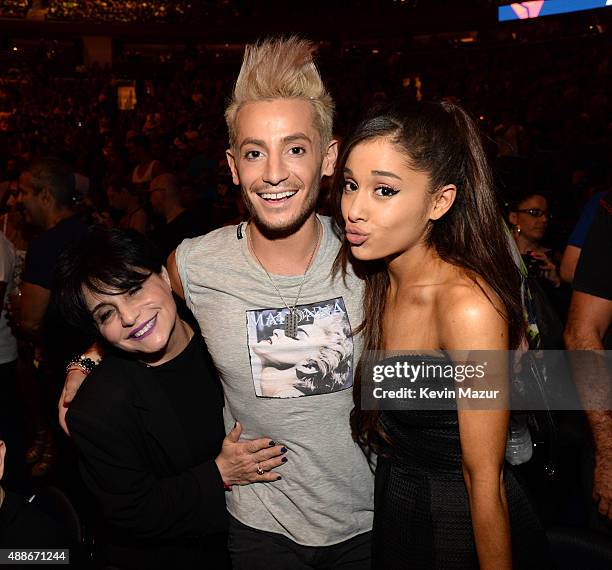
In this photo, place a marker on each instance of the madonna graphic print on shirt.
(318, 361)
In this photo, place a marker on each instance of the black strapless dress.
(421, 509)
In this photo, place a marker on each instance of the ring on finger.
(259, 470)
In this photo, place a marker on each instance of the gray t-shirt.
(296, 391)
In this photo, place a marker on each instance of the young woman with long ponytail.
(415, 201)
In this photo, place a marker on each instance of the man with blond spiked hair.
(278, 324)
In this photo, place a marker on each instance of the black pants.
(253, 549)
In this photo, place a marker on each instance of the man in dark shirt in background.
(46, 194)
(178, 222)
(588, 329)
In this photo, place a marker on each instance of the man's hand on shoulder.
(175, 279)
(75, 376)
(74, 379)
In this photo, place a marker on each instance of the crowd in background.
(161, 11)
(14, 8)
(543, 108)
(118, 11)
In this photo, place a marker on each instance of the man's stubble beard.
(292, 226)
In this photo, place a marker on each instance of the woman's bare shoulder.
(470, 314)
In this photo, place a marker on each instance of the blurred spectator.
(509, 136)
(223, 206)
(178, 223)
(8, 344)
(46, 192)
(13, 224)
(147, 167)
(528, 217)
(126, 200)
(11, 421)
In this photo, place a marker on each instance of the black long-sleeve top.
(147, 438)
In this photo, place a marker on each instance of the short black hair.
(109, 262)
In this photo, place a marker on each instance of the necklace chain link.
(291, 321)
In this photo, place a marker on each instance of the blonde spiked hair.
(281, 68)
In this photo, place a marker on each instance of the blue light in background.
(551, 7)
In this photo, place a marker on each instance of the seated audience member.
(125, 199)
(178, 223)
(147, 422)
(147, 167)
(528, 218)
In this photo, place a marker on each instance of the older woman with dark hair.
(147, 422)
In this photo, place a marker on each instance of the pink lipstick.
(145, 330)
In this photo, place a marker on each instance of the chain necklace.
(294, 316)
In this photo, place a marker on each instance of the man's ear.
(2, 454)
(231, 161)
(329, 159)
(513, 217)
(443, 200)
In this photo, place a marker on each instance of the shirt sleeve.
(181, 256)
(581, 229)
